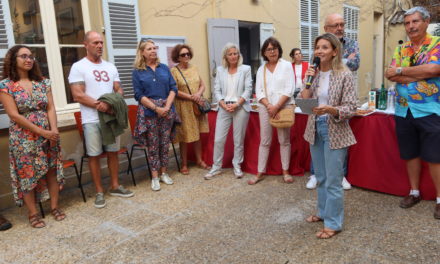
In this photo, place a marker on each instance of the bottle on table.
(382, 104)
(372, 100)
(391, 100)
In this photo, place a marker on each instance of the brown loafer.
(4, 224)
(410, 201)
(437, 211)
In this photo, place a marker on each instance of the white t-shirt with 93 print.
(98, 79)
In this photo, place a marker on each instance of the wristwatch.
(399, 70)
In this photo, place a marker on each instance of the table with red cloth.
(373, 163)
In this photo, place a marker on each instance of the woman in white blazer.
(232, 91)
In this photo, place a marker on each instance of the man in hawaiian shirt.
(335, 24)
(416, 70)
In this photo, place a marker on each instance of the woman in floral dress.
(34, 145)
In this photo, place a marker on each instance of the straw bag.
(285, 118)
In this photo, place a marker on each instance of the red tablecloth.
(373, 163)
(300, 155)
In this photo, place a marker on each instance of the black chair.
(84, 158)
(132, 111)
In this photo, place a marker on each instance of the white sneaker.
(166, 178)
(213, 172)
(311, 184)
(345, 184)
(238, 172)
(155, 185)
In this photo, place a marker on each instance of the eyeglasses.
(185, 55)
(25, 57)
(341, 25)
(271, 49)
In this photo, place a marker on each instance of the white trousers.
(239, 119)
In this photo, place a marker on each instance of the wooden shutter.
(266, 31)
(6, 36)
(121, 20)
(351, 17)
(220, 32)
(309, 26)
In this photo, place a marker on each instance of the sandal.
(255, 179)
(58, 215)
(36, 221)
(203, 165)
(327, 233)
(313, 219)
(288, 178)
(184, 170)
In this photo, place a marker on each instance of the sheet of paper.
(306, 105)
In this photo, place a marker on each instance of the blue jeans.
(312, 170)
(329, 170)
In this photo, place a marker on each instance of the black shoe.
(410, 201)
(4, 224)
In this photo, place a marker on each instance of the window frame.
(53, 53)
(351, 29)
(308, 22)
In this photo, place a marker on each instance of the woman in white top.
(274, 89)
(299, 69)
(328, 131)
(232, 90)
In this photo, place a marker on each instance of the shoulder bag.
(198, 109)
(286, 115)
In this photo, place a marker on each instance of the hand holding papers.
(307, 105)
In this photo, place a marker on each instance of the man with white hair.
(416, 70)
(335, 24)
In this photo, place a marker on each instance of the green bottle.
(382, 104)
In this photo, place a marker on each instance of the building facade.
(55, 30)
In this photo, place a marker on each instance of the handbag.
(198, 109)
(285, 118)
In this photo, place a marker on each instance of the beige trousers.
(266, 139)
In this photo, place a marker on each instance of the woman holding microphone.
(328, 131)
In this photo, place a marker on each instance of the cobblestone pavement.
(223, 220)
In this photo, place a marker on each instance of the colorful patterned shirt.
(351, 46)
(422, 97)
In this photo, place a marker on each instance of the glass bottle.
(382, 105)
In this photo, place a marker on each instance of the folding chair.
(67, 164)
(132, 112)
(122, 151)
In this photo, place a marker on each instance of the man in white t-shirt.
(90, 78)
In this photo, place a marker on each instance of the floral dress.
(30, 155)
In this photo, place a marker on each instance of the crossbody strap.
(187, 86)
(264, 76)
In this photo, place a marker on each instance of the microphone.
(315, 64)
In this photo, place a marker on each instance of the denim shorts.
(93, 140)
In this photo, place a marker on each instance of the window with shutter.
(309, 23)
(351, 17)
(122, 29)
(6, 36)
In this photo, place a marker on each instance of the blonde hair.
(140, 62)
(228, 46)
(336, 64)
